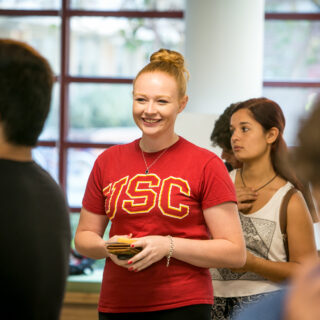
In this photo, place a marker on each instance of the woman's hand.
(113, 257)
(154, 248)
(245, 196)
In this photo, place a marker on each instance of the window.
(292, 58)
(95, 48)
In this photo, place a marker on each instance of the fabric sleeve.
(93, 199)
(217, 186)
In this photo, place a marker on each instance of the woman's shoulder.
(283, 185)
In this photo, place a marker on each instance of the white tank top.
(263, 238)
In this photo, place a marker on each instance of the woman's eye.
(140, 99)
(244, 129)
(163, 101)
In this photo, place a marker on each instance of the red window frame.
(295, 17)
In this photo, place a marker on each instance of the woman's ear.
(272, 135)
(183, 103)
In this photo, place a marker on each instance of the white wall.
(197, 128)
(224, 54)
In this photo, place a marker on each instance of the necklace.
(154, 161)
(262, 185)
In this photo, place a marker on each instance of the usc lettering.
(167, 189)
(140, 191)
(143, 192)
(112, 194)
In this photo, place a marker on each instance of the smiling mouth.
(151, 120)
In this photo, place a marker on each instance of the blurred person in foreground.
(300, 300)
(35, 235)
(221, 137)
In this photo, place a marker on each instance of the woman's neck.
(150, 144)
(256, 172)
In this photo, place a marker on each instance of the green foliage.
(101, 106)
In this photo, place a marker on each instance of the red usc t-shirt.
(168, 201)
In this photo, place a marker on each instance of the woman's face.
(156, 103)
(249, 141)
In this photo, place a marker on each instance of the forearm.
(210, 253)
(272, 270)
(90, 245)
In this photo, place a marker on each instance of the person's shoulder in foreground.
(36, 237)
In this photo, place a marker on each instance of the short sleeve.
(217, 186)
(93, 199)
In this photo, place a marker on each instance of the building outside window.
(292, 58)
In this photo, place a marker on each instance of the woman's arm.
(226, 249)
(89, 235)
(301, 245)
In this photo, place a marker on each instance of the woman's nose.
(150, 108)
(234, 137)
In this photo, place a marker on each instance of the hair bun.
(170, 62)
(170, 56)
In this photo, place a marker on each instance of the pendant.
(147, 171)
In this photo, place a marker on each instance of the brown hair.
(269, 114)
(26, 81)
(221, 134)
(170, 62)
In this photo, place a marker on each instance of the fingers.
(246, 196)
(115, 238)
(244, 207)
(143, 259)
(117, 261)
(154, 249)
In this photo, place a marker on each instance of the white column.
(224, 51)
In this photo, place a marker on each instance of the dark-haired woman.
(257, 126)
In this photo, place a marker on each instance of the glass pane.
(120, 47)
(292, 50)
(292, 6)
(98, 265)
(295, 103)
(128, 4)
(47, 158)
(74, 221)
(51, 127)
(27, 4)
(42, 33)
(102, 113)
(80, 163)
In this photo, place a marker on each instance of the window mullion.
(64, 89)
